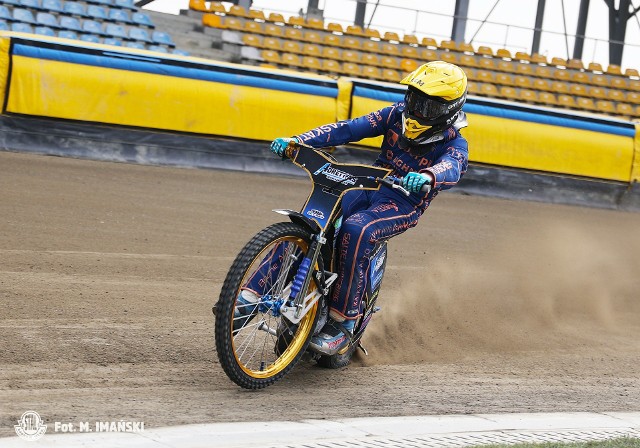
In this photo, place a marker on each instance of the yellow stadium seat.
(598, 92)
(448, 45)
(504, 79)
(631, 72)
(429, 42)
(558, 62)
(293, 33)
(633, 97)
(575, 64)
(428, 55)
(314, 23)
(537, 58)
(409, 52)
(449, 56)
(522, 56)
(351, 42)
(613, 69)
(390, 49)
(251, 40)
(371, 46)
(332, 40)
(213, 20)
(486, 64)
(509, 93)
(489, 90)
(351, 56)
(586, 104)
(578, 90)
(615, 95)
(523, 82)
(606, 107)
(237, 11)
(273, 30)
(637, 111)
(312, 50)
(370, 59)
(351, 69)
(276, 18)
(473, 87)
(634, 85)
(530, 96)
(314, 37)
(599, 80)
(290, 46)
(354, 30)
(547, 98)
(335, 28)
(272, 43)
(311, 63)
(295, 21)
(371, 72)
(566, 101)
(217, 8)
(372, 33)
(389, 62)
(542, 85)
(391, 75)
(580, 77)
(595, 67)
(233, 23)
(272, 57)
(198, 5)
(562, 75)
(252, 27)
(624, 109)
(466, 48)
(467, 61)
(391, 36)
(257, 14)
(291, 59)
(410, 39)
(485, 76)
(618, 83)
(331, 53)
(505, 66)
(331, 66)
(408, 65)
(559, 87)
(524, 69)
(503, 53)
(484, 51)
(543, 72)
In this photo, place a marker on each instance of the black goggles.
(424, 107)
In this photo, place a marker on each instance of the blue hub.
(270, 305)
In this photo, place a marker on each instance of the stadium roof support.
(581, 29)
(618, 19)
(361, 8)
(537, 30)
(460, 20)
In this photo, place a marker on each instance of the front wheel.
(256, 344)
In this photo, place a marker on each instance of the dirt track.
(108, 273)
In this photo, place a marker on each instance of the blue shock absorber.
(298, 280)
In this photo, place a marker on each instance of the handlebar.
(395, 183)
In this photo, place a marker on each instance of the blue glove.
(414, 182)
(280, 144)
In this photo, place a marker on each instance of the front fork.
(302, 278)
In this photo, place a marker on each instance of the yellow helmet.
(436, 93)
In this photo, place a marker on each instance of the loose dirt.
(108, 273)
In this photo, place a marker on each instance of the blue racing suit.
(371, 216)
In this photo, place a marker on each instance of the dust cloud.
(570, 286)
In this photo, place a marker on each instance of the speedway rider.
(423, 145)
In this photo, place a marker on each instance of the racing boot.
(246, 308)
(333, 337)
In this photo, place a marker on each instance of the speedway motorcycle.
(276, 294)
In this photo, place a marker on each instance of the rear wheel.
(338, 360)
(256, 344)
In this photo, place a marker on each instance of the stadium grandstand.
(307, 43)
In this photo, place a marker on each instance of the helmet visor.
(423, 106)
